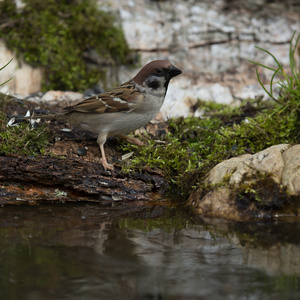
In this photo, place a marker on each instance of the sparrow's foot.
(132, 140)
(106, 165)
(104, 162)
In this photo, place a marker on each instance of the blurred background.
(75, 45)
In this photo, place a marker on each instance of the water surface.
(92, 252)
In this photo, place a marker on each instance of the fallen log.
(48, 179)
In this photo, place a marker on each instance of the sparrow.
(125, 108)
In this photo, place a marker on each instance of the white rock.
(25, 79)
(54, 97)
(281, 162)
(221, 94)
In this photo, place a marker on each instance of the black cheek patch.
(153, 84)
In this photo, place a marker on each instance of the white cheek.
(158, 92)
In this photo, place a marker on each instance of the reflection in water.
(84, 252)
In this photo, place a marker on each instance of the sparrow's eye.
(158, 71)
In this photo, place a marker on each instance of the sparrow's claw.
(107, 166)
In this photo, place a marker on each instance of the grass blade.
(6, 64)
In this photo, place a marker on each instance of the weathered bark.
(32, 181)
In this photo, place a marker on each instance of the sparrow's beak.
(173, 71)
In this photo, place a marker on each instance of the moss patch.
(264, 193)
(21, 139)
(193, 146)
(58, 35)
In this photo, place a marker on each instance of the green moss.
(194, 146)
(21, 139)
(4, 101)
(57, 35)
(263, 192)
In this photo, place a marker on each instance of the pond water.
(93, 252)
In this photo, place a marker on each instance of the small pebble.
(81, 151)
(66, 130)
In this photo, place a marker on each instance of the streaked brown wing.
(117, 100)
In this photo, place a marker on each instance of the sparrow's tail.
(41, 116)
(33, 117)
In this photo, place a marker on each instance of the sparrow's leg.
(101, 141)
(132, 140)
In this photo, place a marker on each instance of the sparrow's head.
(156, 75)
